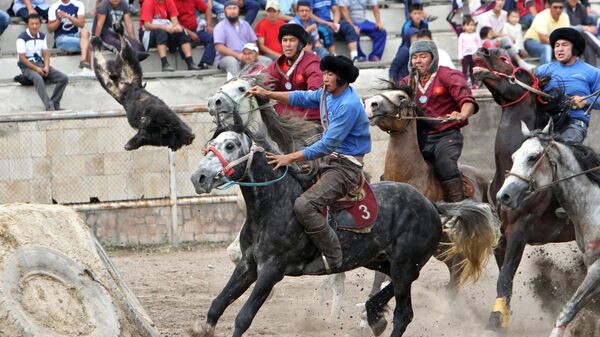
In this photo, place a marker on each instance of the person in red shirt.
(187, 18)
(443, 93)
(296, 69)
(528, 9)
(267, 31)
(160, 27)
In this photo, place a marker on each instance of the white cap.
(251, 46)
(272, 4)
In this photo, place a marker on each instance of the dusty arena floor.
(177, 287)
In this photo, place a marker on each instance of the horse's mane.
(585, 155)
(556, 107)
(257, 137)
(402, 87)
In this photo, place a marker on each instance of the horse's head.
(532, 167)
(391, 110)
(225, 148)
(232, 98)
(498, 75)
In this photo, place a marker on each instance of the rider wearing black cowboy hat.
(340, 152)
(578, 79)
(295, 69)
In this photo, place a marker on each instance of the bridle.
(554, 166)
(409, 105)
(237, 104)
(228, 167)
(512, 79)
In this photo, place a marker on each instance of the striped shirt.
(31, 45)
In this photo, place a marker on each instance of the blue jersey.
(578, 79)
(74, 8)
(322, 8)
(347, 129)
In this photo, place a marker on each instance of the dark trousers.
(346, 33)
(443, 150)
(23, 13)
(162, 37)
(207, 41)
(112, 41)
(54, 76)
(339, 176)
(467, 68)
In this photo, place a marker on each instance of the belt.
(356, 160)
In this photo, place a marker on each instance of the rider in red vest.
(296, 69)
(442, 92)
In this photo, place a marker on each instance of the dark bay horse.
(534, 221)
(394, 112)
(403, 238)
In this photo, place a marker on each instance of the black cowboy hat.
(294, 30)
(341, 66)
(571, 35)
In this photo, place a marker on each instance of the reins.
(412, 105)
(512, 78)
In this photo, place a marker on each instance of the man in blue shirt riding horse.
(578, 79)
(340, 152)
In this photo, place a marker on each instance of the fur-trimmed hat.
(571, 35)
(294, 30)
(424, 46)
(341, 66)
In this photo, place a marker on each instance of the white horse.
(285, 134)
(572, 171)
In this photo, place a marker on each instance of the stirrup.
(326, 264)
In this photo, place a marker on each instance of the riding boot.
(453, 190)
(331, 251)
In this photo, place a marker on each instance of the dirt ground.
(177, 287)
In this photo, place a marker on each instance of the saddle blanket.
(355, 212)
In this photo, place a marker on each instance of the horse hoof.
(495, 322)
(199, 330)
(379, 327)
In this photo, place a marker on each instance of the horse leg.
(242, 278)
(375, 309)
(378, 280)
(403, 275)
(514, 252)
(267, 279)
(588, 289)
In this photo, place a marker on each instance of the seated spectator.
(487, 39)
(513, 30)
(296, 69)
(496, 20)
(66, 19)
(217, 9)
(250, 62)
(160, 28)
(331, 27)
(415, 20)
(34, 61)
(230, 36)
(528, 10)
(108, 13)
(409, 3)
(198, 34)
(287, 9)
(399, 66)
(536, 38)
(250, 6)
(310, 26)
(355, 12)
(4, 21)
(267, 29)
(578, 18)
(23, 8)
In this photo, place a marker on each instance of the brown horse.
(394, 112)
(518, 93)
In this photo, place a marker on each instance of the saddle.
(356, 211)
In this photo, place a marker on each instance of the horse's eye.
(229, 147)
(242, 89)
(533, 158)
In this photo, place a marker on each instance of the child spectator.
(487, 38)
(198, 33)
(34, 61)
(512, 28)
(416, 20)
(66, 18)
(303, 18)
(267, 31)
(23, 8)
(109, 12)
(468, 43)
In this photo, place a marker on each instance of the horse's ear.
(549, 129)
(525, 130)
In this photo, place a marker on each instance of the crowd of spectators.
(234, 43)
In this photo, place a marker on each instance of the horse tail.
(473, 231)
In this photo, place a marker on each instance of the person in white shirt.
(513, 29)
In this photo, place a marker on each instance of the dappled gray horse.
(572, 171)
(274, 245)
